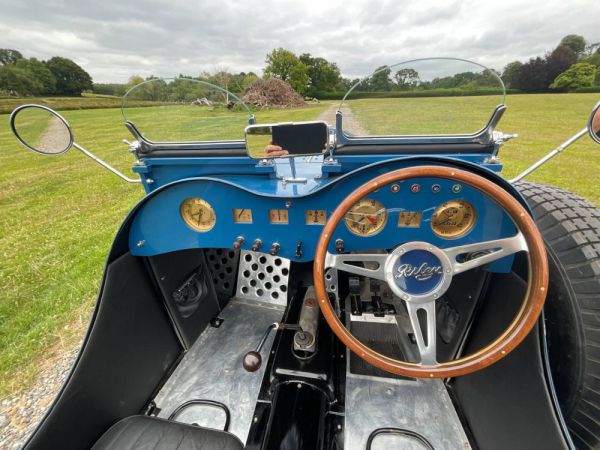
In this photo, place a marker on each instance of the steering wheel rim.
(519, 328)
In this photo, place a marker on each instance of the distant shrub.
(588, 89)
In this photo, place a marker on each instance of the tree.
(558, 61)
(380, 80)
(134, 80)
(510, 74)
(532, 76)
(222, 78)
(9, 56)
(16, 81)
(40, 72)
(577, 76)
(407, 79)
(574, 42)
(71, 79)
(323, 75)
(286, 66)
(345, 84)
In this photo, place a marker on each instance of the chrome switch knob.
(238, 242)
(256, 245)
(274, 249)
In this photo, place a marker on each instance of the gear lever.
(252, 360)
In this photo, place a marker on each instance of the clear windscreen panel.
(435, 96)
(185, 110)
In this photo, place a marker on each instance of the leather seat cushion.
(151, 433)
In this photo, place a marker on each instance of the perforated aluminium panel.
(263, 277)
(222, 263)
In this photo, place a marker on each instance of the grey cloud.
(114, 39)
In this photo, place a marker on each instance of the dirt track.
(349, 120)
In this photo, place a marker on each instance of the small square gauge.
(242, 215)
(316, 217)
(411, 219)
(278, 216)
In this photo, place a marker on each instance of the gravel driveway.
(20, 413)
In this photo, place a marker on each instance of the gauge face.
(366, 218)
(278, 216)
(242, 215)
(410, 219)
(316, 217)
(198, 214)
(453, 219)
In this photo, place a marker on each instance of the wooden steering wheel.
(391, 268)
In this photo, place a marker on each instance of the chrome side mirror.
(44, 131)
(594, 124)
(41, 129)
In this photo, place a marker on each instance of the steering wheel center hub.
(418, 272)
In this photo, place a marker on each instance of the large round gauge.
(366, 218)
(453, 219)
(198, 214)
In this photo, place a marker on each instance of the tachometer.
(366, 218)
(198, 214)
(453, 219)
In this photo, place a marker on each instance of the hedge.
(410, 94)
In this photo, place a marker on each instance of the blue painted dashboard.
(158, 227)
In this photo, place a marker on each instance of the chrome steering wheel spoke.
(484, 252)
(426, 338)
(341, 261)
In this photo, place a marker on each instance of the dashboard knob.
(256, 245)
(274, 249)
(238, 242)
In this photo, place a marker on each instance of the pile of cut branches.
(272, 92)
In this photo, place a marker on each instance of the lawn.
(542, 122)
(59, 214)
(58, 218)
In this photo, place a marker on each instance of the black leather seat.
(151, 433)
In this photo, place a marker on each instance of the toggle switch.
(238, 242)
(256, 245)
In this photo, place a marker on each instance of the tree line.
(573, 65)
(20, 76)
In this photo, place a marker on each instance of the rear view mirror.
(41, 129)
(286, 139)
(594, 124)
(45, 131)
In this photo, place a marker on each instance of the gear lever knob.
(252, 361)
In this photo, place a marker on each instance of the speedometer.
(453, 219)
(366, 218)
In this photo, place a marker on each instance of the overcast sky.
(113, 39)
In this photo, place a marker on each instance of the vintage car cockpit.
(354, 275)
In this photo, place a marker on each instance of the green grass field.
(59, 214)
(431, 115)
(542, 122)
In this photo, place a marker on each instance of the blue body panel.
(158, 228)
(163, 171)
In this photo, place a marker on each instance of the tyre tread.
(570, 226)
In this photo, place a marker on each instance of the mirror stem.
(106, 165)
(549, 156)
